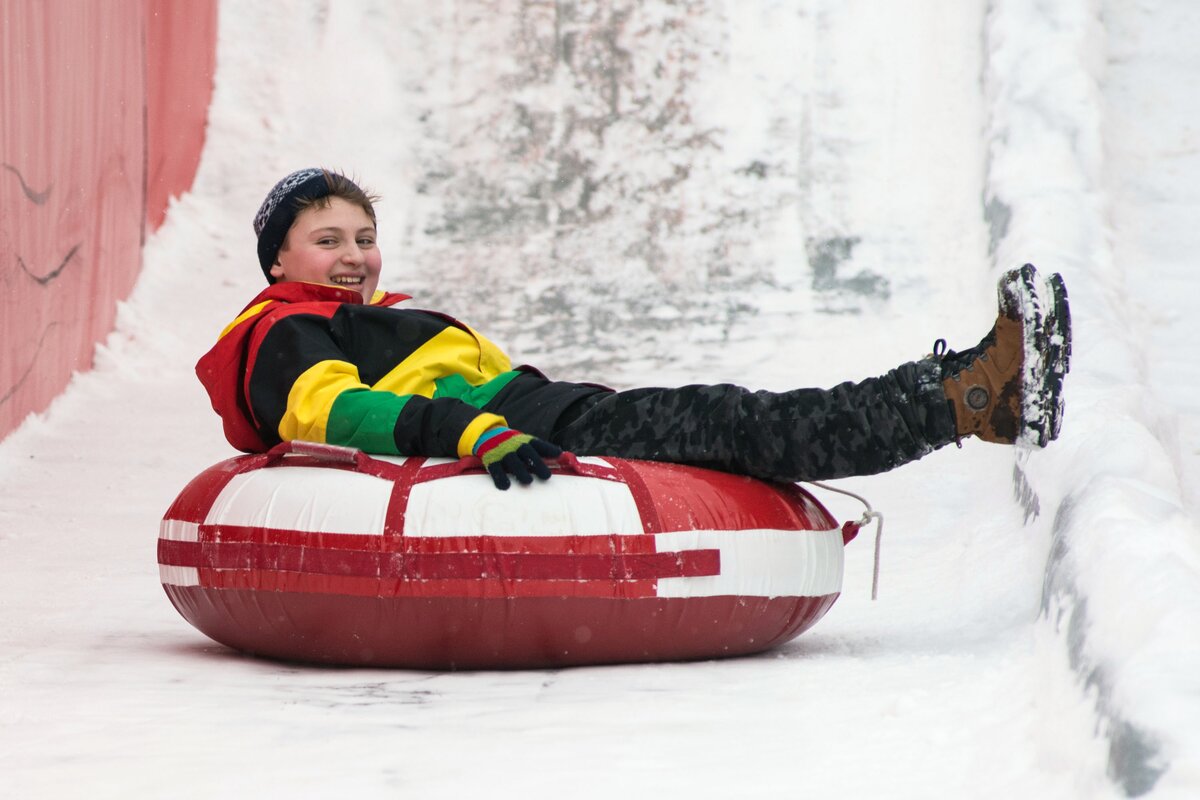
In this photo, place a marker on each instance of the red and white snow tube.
(324, 554)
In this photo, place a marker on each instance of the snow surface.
(777, 193)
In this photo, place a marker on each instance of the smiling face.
(332, 244)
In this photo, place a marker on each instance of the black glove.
(505, 452)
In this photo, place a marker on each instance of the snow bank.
(1123, 581)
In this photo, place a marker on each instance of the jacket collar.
(302, 292)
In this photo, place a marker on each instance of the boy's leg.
(805, 434)
(1006, 389)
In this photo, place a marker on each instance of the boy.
(322, 355)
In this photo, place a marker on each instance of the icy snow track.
(777, 193)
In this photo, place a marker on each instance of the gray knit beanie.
(277, 213)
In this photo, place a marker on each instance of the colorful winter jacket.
(313, 362)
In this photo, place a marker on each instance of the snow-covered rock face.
(588, 182)
(583, 164)
(775, 193)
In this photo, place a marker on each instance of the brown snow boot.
(1008, 388)
(986, 391)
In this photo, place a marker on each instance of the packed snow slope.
(773, 193)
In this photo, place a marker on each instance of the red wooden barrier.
(181, 57)
(92, 142)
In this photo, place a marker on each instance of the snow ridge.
(1046, 202)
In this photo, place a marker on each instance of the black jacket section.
(375, 340)
(533, 404)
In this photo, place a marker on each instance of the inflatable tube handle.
(323, 452)
(568, 462)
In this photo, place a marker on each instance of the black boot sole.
(1041, 305)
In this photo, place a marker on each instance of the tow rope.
(851, 529)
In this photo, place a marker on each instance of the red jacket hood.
(222, 369)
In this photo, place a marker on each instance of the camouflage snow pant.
(804, 434)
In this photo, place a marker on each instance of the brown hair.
(340, 186)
